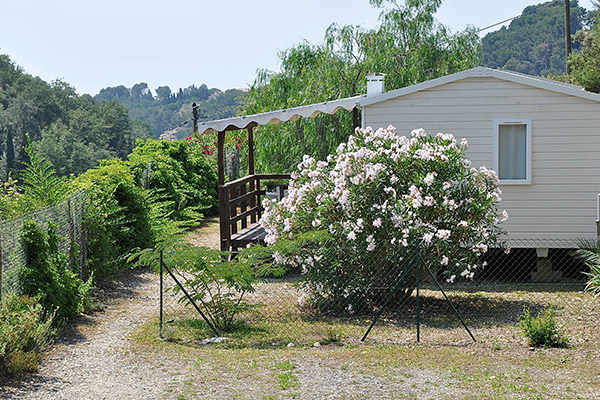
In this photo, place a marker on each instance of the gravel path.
(91, 358)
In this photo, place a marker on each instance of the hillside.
(167, 110)
(534, 42)
(71, 131)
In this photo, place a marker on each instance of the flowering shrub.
(373, 202)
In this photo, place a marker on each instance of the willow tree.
(408, 45)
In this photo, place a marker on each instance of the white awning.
(275, 117)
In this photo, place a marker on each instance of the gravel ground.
(91, 358)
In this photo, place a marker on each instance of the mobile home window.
(512, 155)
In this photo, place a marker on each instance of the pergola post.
(355, 119)
(223, 212)
(251, 169)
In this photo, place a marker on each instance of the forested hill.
(71, 131)
(169, 109)
(534, 43)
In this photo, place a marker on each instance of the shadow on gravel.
(106, 297)
(14, 388)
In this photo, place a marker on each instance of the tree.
(585, 65)
(140, 91)
(163, 93)
(408, 46)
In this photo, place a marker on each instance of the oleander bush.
(369, 207)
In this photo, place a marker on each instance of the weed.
(333, 336)
(541, 329)
(285, 365)
(287, 380)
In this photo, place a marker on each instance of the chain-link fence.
(401, 295)
(67, 217)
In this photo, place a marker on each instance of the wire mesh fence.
(402, 298)
(68, 219)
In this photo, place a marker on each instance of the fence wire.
(68, 218)
(308, 307)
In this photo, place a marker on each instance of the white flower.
(377, 223)
(463, 224)
(351, 235)
(429, 178)
(371, 243)
(443, 233)
(451, 279)
(287, 225)
(316, 222)
(427, 237)
(464, 142)
(418, 133)
(444, 260)
(279, 259)
(504, 216)
(303, 300)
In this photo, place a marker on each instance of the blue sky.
(222, 43)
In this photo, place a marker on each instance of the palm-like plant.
(589, 252)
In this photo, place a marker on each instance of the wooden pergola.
(240, 204)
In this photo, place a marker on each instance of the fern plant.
(41, 186)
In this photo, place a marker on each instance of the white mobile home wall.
(561, 201)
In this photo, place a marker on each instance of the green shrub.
(118, 216)
(184, 178)
(541, 329)
(24, 331)
(46, 274)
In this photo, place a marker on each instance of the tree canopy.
(585, 65)
(409, 46)
(534, 43)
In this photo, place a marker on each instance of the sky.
(96, 44)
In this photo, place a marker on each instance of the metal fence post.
(71, 223)
(0, 273)
(418, 272)
(160, 318)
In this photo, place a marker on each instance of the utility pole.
(195, 114)
(568, 33)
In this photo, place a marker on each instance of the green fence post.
(160, 329)
(418, 272)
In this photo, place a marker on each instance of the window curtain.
(512, 152)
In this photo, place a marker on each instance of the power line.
(520, 15)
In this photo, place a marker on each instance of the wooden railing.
(240, 204)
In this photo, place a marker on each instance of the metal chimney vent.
(375, 84)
